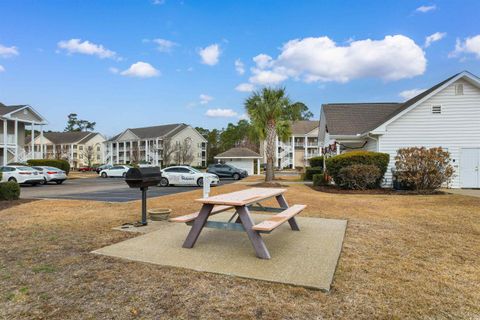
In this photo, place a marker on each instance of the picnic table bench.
(243, 202)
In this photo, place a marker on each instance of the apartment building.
(298, 148)
(13, 121)
(78, 148)
(161, 145)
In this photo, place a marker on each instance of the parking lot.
(98, 189)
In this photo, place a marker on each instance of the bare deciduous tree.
(186, 152)
(89, 154)
(168, 151)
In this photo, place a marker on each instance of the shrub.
(60, 164)
(359, 176)
(316, 162)
(9, 190)
(320, 179)
(336, 163)
(309, 172)
(425, 170)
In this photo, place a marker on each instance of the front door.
(469, 168)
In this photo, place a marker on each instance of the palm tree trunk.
(270, 151)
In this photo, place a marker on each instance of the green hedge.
(9, 190)
(316, 162)
(310, 172)
(336, 163)
(60, 164)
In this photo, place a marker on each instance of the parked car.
(224, 170)
(51, 174)
(21, 175)
(102, 167)
(86, 169)
(115, 171)
(185, 176)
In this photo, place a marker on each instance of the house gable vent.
(459, 89)
(437, 109)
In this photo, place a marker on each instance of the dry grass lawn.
(403, 257)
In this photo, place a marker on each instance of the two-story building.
(161, 145)
(79, 148)
(13, 121)
(298, 148)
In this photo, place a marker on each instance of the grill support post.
(144, 205)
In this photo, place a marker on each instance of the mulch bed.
(389, 191)
(270, 185)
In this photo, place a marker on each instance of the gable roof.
(304, 126)
(65, 137)
(167, 130)
(238, 153)
(7, 109)
(361, 118)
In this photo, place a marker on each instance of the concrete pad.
(464, 192)
(306, 258)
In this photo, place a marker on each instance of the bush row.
(9, 190)
(310, 172)
(60, 164)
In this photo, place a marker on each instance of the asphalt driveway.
(98, 189)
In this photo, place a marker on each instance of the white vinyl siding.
(371, 145)
(458, 126)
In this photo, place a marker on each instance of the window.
(437, 109)
(459, 89)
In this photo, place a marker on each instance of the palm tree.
(271, 113)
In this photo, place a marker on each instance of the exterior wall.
(245, 164)
(458, 126)
(371, 145)
(12, 143)
(26, 115)
(97, 143)
(196, 144)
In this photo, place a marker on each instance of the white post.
(118, 152)
(41, 142)
(156, 152)
(206, 185)
(16, 140)
(258, 166)
(33, 141)
(54, 151)
(5, 153)
(147, 154)
(305, 151)
(337, 146)
(130, 143)
(71, 155)
(293, 152)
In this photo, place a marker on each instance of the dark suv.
(227, 171)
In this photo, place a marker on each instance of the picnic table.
(243, 202)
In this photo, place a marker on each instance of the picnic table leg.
(283, 204)
(198, 225)
(257, 241)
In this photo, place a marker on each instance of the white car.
(21, 175)
(115, 171)
(51, 174)
(185, 176)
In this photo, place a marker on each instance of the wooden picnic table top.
(243, 197)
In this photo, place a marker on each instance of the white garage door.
(245, 164)
(470, 168)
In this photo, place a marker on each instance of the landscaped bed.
(403, 257)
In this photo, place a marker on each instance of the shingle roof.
(238, 153)
(356, 118)
(304, 126)
(166, 130)
(359, 118)
(65, 137)
(7, 109)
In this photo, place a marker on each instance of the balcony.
(10, 139)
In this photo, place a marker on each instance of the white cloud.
(86, 47)
(205, 99)
(165, 45)
(2, 69)
(6, 52)
(469, 45)
(321, 59)
(210, 54)
(141, 70)
(158, 2)
(437, 36)
(263, 61)
(114, 70)
(239, 66)
(245, 87)
(408, 94)
(220, 113)
(424, 9)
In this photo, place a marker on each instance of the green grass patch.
(44, 269)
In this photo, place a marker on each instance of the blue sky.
(145, 62)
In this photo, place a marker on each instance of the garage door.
(243, 164)
(469, 168)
